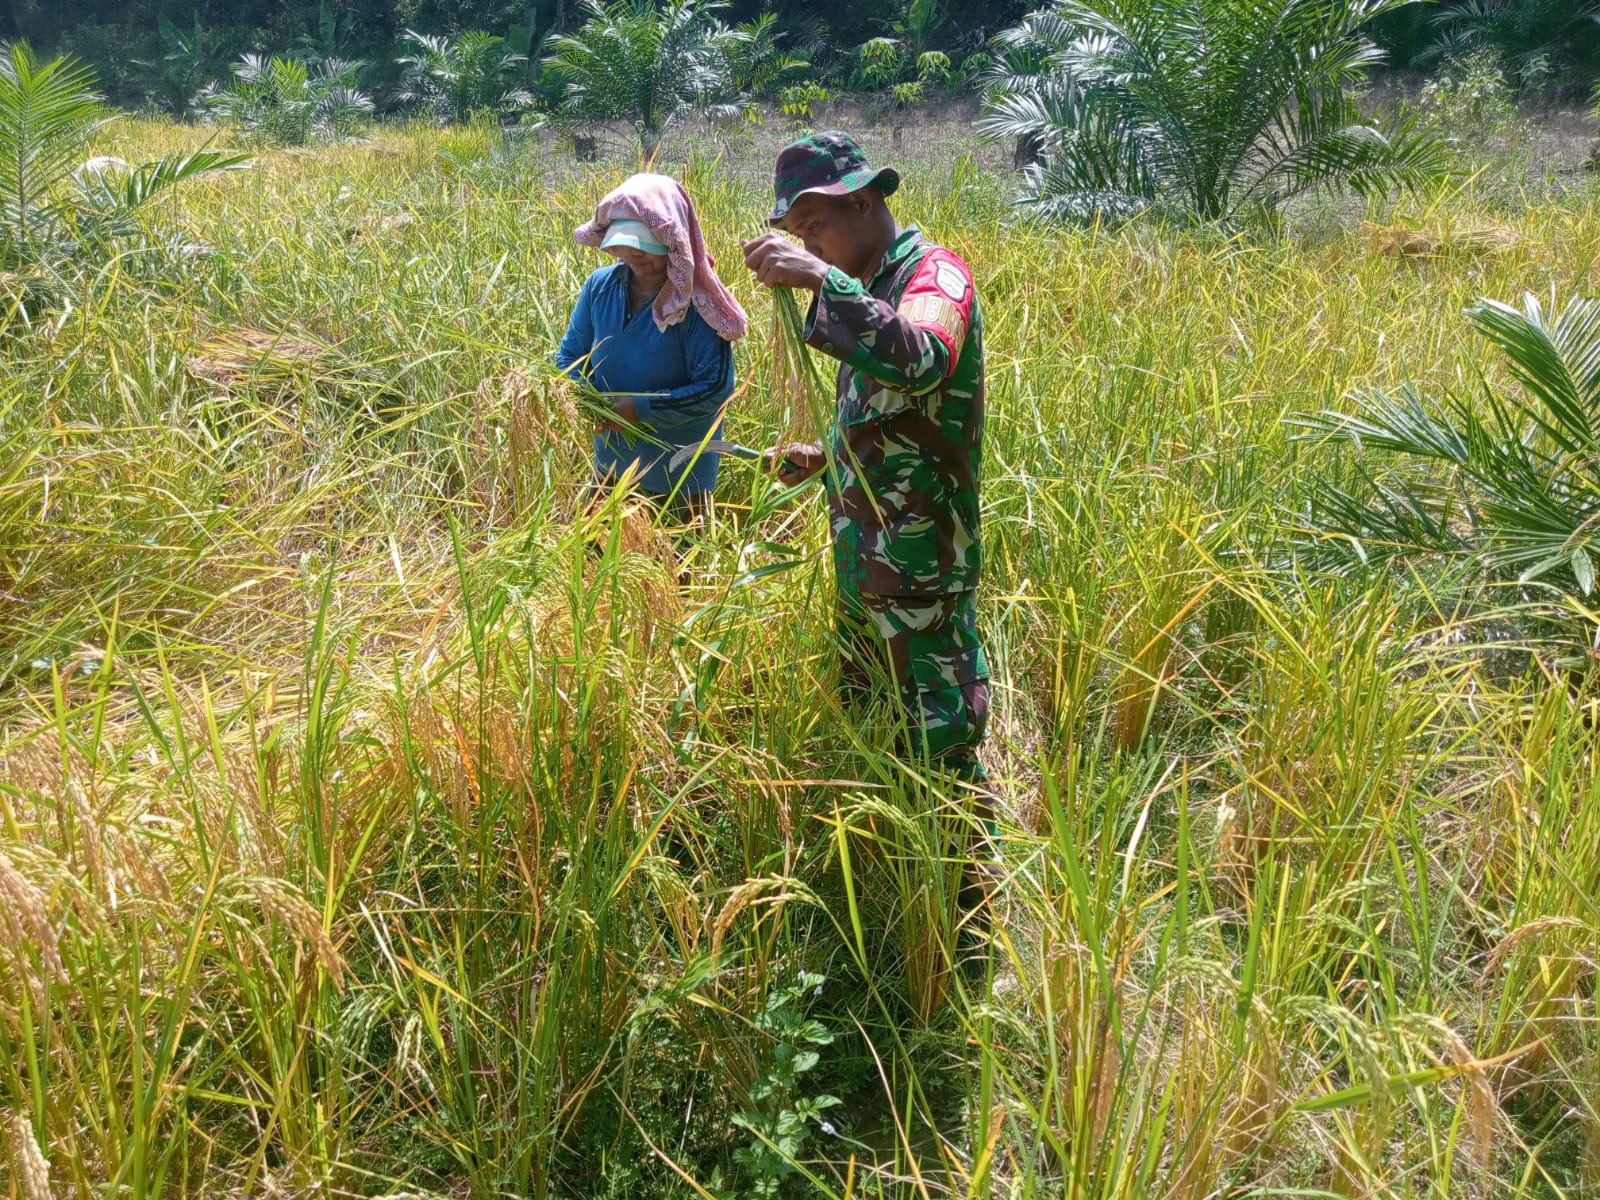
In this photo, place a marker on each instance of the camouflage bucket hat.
(830, 163)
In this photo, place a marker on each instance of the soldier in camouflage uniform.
(901, 316)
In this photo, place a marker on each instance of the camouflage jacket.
(908, 437)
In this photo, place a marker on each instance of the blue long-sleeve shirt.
(678, 379)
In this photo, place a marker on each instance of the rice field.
(376, 821)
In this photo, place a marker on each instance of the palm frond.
(1400, 423)
(1556, 358)
(1093, 165)
(1514, 478)
(1366, 158)
(108, 192)
(1372, 523)
(49, 112)
(282, 100)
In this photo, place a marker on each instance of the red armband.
(939, 299)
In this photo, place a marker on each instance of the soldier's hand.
(778, 262)
(795, 462)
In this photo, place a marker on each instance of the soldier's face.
(834, 228)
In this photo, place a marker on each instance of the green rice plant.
(378, 817)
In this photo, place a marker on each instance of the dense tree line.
(1550, 44)
(114, 36)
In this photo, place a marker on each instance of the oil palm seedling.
(1506, 479)
(757, 64)
(645, 66)
(56, 203)
(1216, 109)
(453, 77)
(282, 101)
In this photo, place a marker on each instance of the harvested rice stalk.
(246, 355)
(795, 374)
(595, 406)
(1402, 241)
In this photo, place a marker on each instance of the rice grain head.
(1482, 1106)
(32, 1168)
(25, 923)
(279, 899)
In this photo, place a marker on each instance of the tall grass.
(376, 818)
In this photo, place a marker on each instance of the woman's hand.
(627, 416)
(778, 262)
(794, 463)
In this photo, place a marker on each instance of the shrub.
(797, 100)
(783, 1114)
(1468, 98)
(879, 65)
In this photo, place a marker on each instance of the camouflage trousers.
(924, 652)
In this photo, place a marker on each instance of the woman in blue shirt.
(670, 383)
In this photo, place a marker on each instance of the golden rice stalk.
(532, 420)
(1530, 931)
(638, 533)
(90, 839)
(32, 1168)
(1483, 1110)
(678, 900)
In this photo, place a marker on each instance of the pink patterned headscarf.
(663, 205)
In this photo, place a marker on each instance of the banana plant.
(177, 79)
